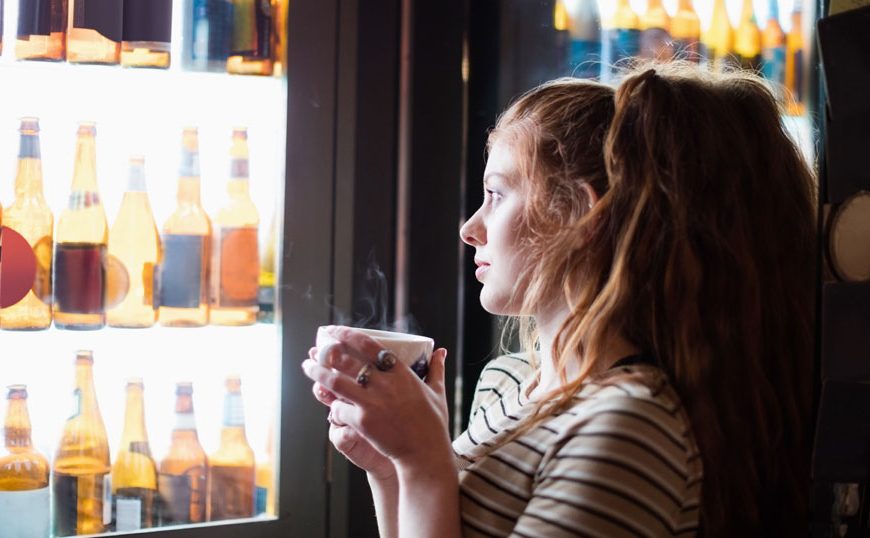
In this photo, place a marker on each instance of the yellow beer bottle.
(235, 262)
(655, 37)
(30, 216)
(24, 493)
(184, 470)
(81, 475)
(251, 42)
(94, 31)
(80, 247)
(747, 39)
(41, 30)
(773, 50)
(186, 236)
(231, 468)
(135, 243)
(794, 62)
(134, 473)
(686, 32)
(718, 39)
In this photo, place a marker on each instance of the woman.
(656, 244)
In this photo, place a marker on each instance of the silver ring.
(362, 377)
(386, 360)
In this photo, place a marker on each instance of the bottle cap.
(184, 387)
(85, 355)
(19, 391)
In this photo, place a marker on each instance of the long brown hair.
(700, 250)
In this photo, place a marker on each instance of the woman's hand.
(399, 415)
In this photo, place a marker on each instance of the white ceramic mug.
(413, 350)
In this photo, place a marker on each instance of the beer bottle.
(81, 478)
(655, 38)
(134, 474)
(251, 43)
(147, 33)
(235, 265)
(620, 40)
(80, 247)
(718, 39)
(183, 274)
(794, 62)
(24, 493)
(584, 23)
(747, 39)
(264, 496)
(208, 26)
(41, 30)
(184, 470)
(134, 241)
(279, 35)
(30, 216)
(686, 32)
(773, 50)
(268, 276)
(94, 31)
(231, 468)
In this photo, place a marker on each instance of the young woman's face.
(494, 232)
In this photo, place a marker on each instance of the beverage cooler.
(172, 237)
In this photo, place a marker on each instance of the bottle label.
(260, 496)
(239, 169)
(181, 275)
(234, 412)
(107, 499)
(83, 199)
(42, 282)
(211, 29)
(617, 45)
(104, 16)
(175, 497)
(25, 514)
(128, 514)
(797, 88)
(148, 20)
(656, 43)
(28, 147)
(76, 403)
(585, 58)
(79, 278)
(232, 491)
(236, 268)
(773, 65)
(185, 421)
(81, 501)
(252, 29)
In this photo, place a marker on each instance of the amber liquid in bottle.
(184, 471)
(252, 38)
(79, 251)
(655, 38)
(41, 30)
(718, 40)
(235, 266)
(147, 33)
(747, 39)
(279, 35)
(134, 241)
(232, 468)
(686, 32)
(30, 216)
(94, 32)
(268, 276)
(794, 63)
(24, 472)
(81, 479)
(186, 241)
(134, 473)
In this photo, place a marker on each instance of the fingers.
(322, 395)
(344, 414)
(356, 342)
(435, 378)
(339, 384)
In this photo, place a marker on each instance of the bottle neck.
(234, 412)
(686, 5)
(134, 420)
(85, 171)
(773, 10)
(28, 180)
(85, 389)
(654, 5)
(188, 190)
(17, 424)
(747, 13)
(136, 179)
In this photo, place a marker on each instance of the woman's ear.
(591, 196)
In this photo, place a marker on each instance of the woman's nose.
(472, 232)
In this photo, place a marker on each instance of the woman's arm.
(385, 493)
(429, 500)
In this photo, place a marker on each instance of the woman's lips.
(481, 270)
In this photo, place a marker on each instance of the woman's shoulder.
(501, 376)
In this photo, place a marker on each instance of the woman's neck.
(615, 347)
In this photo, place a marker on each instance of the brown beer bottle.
(235, 262)
(41, 30)
(184, 470)
(147, 33)
(134, 474)
(81, 478)
(232, 468)
(186, 236)
(24, 493)
(94, 31)
(686, 32)
(80, 247)
(30, 216)
(134, 242)
(252, 39)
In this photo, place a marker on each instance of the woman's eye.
(495, 196)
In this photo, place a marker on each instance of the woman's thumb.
(435, 378)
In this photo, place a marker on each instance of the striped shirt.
(620, 460)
